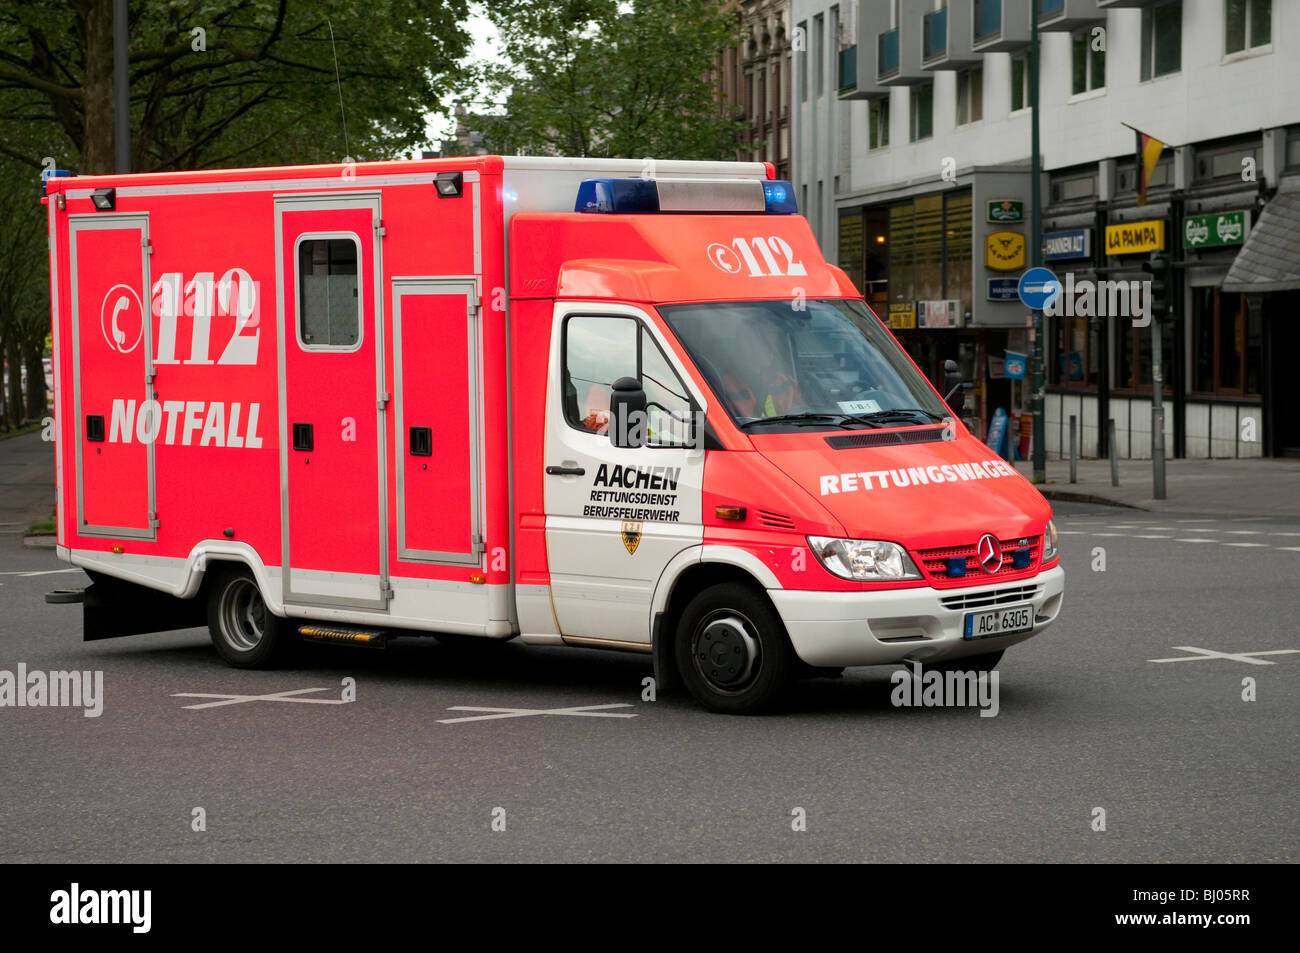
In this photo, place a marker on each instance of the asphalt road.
(1184, 768)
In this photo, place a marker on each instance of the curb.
(1070, 496)
(40, 542)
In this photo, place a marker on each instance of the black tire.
(733, 623)
(245, 632)
(970, 663)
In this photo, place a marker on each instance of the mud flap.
(111, 608)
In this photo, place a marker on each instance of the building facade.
(912, 159)
(755, 81)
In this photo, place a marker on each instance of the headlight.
(864, 560)
(1049, 542)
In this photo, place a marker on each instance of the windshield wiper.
(804, 417)
(894, 412)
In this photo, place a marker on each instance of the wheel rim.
(243, 615)
(726, 652)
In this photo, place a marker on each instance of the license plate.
(983, 625)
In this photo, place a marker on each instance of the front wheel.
(245, 632)
(732, 650)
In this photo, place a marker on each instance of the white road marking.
(1245, 545)
(1155, 536)
(1289, 549)
(1245, 532)
(1195, 521)
(1110, 534)
(1196, 541)
(1203, 654)
(584, 711)
(42, 572)
(273, 697)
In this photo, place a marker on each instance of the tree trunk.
(97, 144)
(14, 388)
(35, 380)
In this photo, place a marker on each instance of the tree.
(213, 85)
(607, 78)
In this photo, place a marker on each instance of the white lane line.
(1245, 532)
(1110, 534)
(1196, 541)
(1245, 545)
(1284, 534)
(1152, 536)
(1195, 521)
(1289, 549)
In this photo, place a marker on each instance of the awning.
(1270, 258)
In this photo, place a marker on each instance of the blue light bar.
(956, 566)
(617, 195)
(686, 195)
(779, 196)
(47, 174)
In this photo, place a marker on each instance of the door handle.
(565, 471)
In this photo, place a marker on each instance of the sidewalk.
(1213, 487)
(26, 482)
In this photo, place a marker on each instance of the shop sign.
(1133, 237)
(1216, 230)
(1004, 251)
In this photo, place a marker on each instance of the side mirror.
(952, 384)
(627, 413)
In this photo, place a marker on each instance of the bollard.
(1074, 449)
(1114, 456)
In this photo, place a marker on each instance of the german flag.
(1148, 154)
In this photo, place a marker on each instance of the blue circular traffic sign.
(1038, 288)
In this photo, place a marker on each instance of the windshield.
(829, 364)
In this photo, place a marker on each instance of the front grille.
(886, 438)
(775, 520)
(991, 598)
(935, 561)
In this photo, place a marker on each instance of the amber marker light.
(729, 512)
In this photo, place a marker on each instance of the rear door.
(332, 399)
(112, 345)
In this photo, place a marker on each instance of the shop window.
(1133, 357)
(1073, 188)
(1227, 343)
(1225, 161)
(1162, 39)
(1077, 353)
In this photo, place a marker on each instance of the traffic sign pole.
(1036, 258)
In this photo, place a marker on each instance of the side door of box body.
(332, 399)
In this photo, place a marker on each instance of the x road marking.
(585, 711)
(1203, 654)
(273, 697)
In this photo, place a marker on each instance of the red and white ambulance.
(573, 402)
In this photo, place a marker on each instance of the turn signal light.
(729, 512)
(117, 548)
(477, 578)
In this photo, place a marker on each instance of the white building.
(911, 157)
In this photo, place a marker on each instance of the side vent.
(775, 520)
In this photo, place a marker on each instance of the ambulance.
(601, 404)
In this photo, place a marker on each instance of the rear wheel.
(732, 650)
(245, 632)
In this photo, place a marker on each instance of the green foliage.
(606, 78)
(255, 87)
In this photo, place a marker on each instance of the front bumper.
(836, 629)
